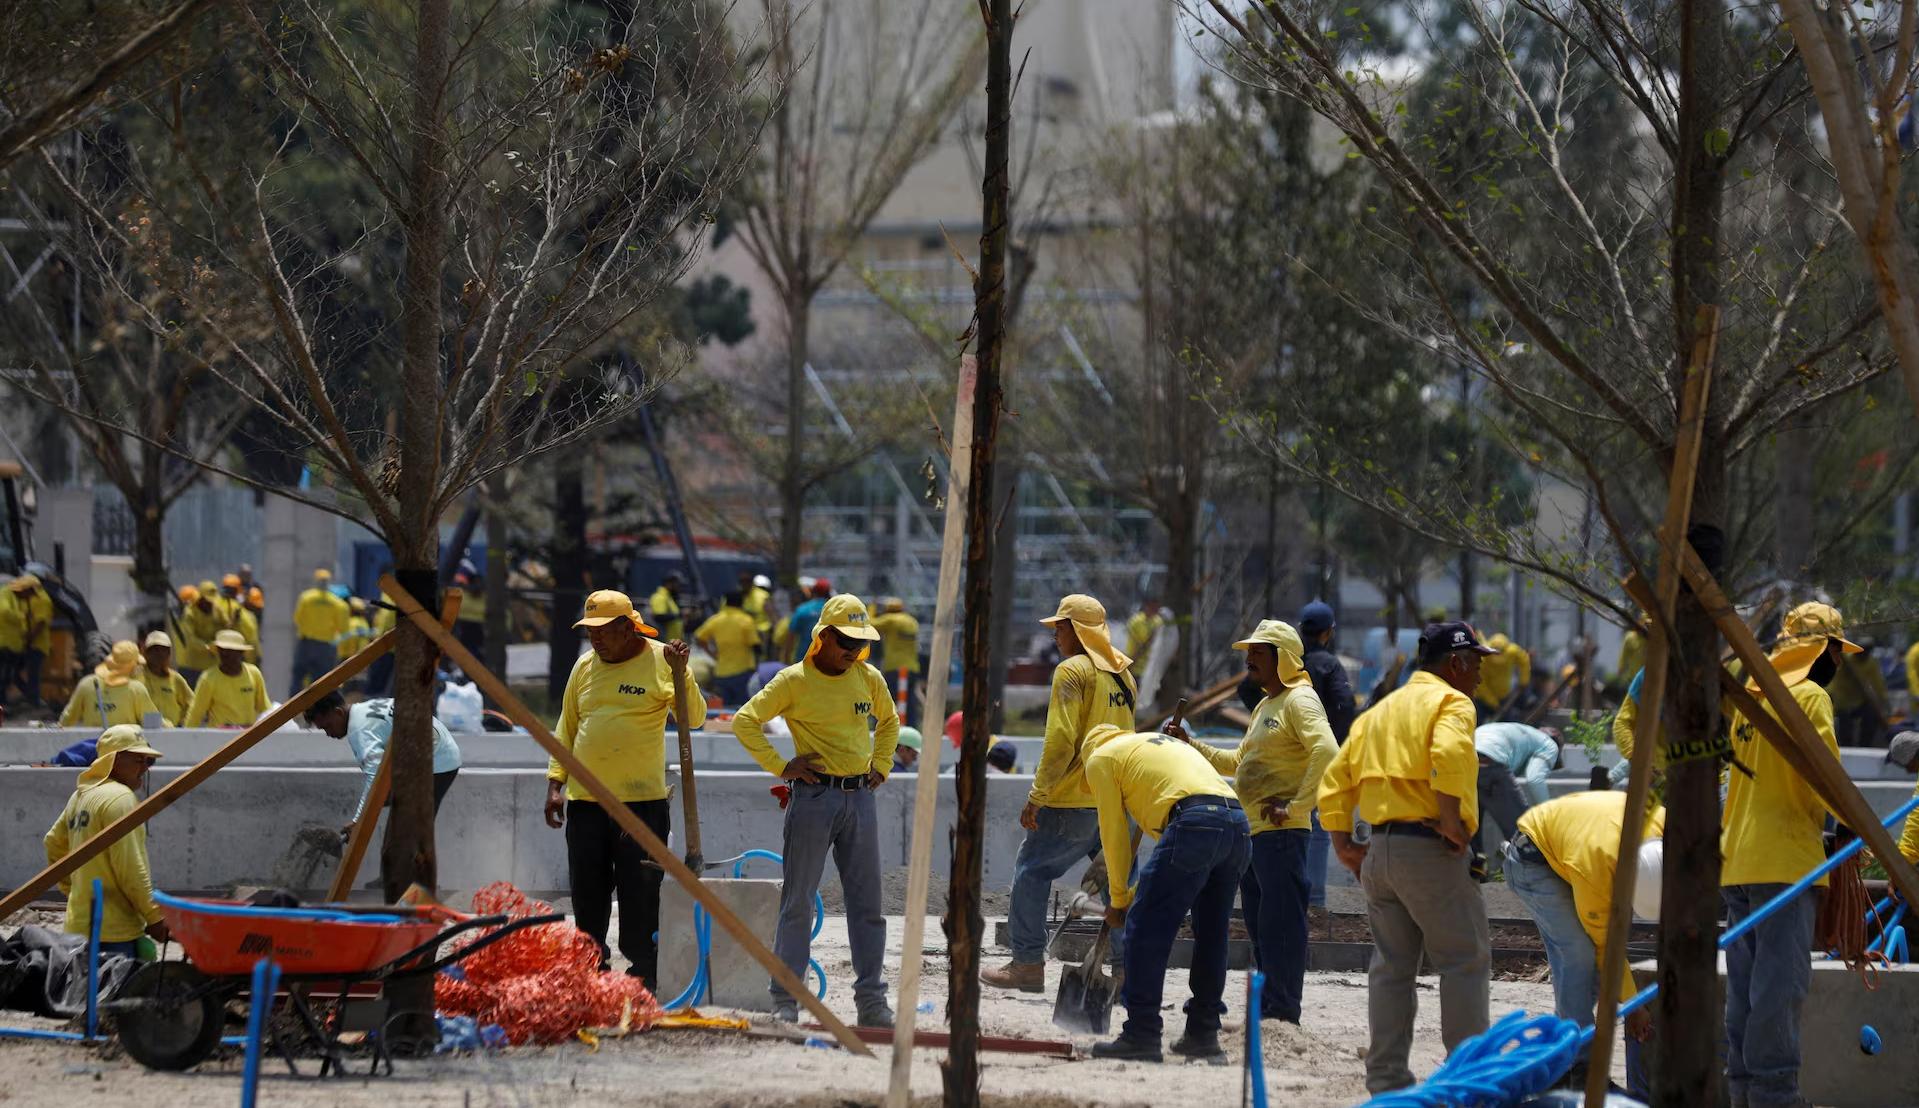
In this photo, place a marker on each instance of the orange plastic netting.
(543, 984)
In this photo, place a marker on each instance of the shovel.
(1085, 1000)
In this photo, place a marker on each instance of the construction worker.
(906, 753)
(731, 637)
(900, 653)
(109, 694)
(35, 615)
(103, 795)
(1904, 753)
(232, 591)
(664, 608)
(13, 640)
(1335, 689)
(613, 717)
(1773, 835)
(1503, 672)
(1860, 701)
(232, 693)
(367, 726)
(1171, 792)
(829, 700)
(252, 595)
(1140, 629)
(358, 631)
(756, 591)
(197, 625)
(1515, 760)
(1560, 864)
(172, 693)
(319, 619)
(1276, 770)
(1093, 684)
(799, 626)
(1632, 653)
(1409, 769)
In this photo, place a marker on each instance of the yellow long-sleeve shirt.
(171, 693)
(358, 633)
(223, 701)
(1084, 697)
(1624, 728)
(1909, 839)
(1579, 835)
(126, 884)
(1501, 673)
(1912, 671)
(1773, 822)
(129, 703)
(1141, 776)
(754, 604)
(1287, 747)
(664, 614)
(733, 636)
(828, 716)
(13, 621)
(613, 718)
(1402, 752)
(899, 640)
(318, 614)
(1632, 656)
(37, 617)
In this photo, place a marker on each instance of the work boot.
(876, 1014)
(1124, 1049)
(786, 1012)
(1198, 1044)
(1027, 977)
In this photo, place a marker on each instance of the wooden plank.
(1672, 539)
(188, 781)
(689, 800)
(362, 836)
(1828, 775)
(1001, 1043)
(932, 714)
(618, 812)
(1205, 701)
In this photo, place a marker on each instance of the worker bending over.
(109, 694)
(1773, 835)
(1172, 793)
(1560, 863)
(829, 700)
(1409, 769)
(1092, 685)
(104, 794)
(168, 687)
(613, 718)
(1515, 759)
(1276, 773)
(367, 727)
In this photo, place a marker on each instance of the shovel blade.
(1085, 1001)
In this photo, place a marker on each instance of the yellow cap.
(114, 741)
(1088, 617)
(894, 604)
(847, 615)
(607, 605)
(158, 638)
(231, 640)
(1285, 642)
(24, 582)
(117, 670)
(1813, 620)
(320, 575)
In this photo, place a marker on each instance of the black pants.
(602, 860)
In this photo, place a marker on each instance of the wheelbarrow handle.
(503, 927)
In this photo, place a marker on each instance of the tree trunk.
(496, 572)
(799, 319)
(149, 562)
(569, 573)
(964, 927)
(1005, 583)
(1687, 1070)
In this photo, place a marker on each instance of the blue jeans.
(1569, 950)
(1768, 971)
(1319, 850)
(1196, 867)
(311, 661)
(732, 690)
(1066, 837)
(1274, 892)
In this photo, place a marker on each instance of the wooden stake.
(695, 860)
(188, 781)
(619, 813)
(1652, 695)
(899, 1089)
(1828, 775)
(362, 836)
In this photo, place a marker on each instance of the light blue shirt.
(368, 726)
(1527, 751)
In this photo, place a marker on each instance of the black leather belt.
(844, 784)
(1522, 847)
(1198, 802)
(1406, 827)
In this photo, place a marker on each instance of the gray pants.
(1420, 896)
(820, 819)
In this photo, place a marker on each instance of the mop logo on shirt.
(632, 690)
(862, 707)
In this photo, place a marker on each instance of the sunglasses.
(842, 641)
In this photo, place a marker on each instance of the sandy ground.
(1315, 1065)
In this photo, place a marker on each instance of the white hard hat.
(1645, 892)
(762, 581)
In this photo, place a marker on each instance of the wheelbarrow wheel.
(170, 1020)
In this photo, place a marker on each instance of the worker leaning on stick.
(1409, 770)
(830, 700)
(103, 794)
(1091, 686)
(1172, 793)
(613, 718)
(1276, 771)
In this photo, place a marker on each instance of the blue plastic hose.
(701, 987)
(93, 962)
(1255, 1055)
(266, 983)
(254, 911)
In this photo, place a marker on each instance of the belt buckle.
(852, 784)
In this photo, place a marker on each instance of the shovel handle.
(688, 797)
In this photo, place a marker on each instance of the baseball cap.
(1445, 637)
(1904, 751)
(1286, 643)
(1315, 617)
(1088, 617)
(1002, 756)
(607, 605)
(158, 638)
(846, 614)
(323, 575)
(822, 587)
